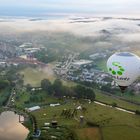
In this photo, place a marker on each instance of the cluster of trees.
(4, 84)
(84, 92)
(9, 79)
(137, 112)
(9, 76)
(58, 89)
(47, 55)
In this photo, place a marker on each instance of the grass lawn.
(133, 98)
(114, 124)
(101, 64)
(121, 133)
(51, 111)
(123, 126)
(105, 98)
(21, 99)
(129, 96)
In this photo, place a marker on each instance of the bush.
(137, 112)
(114, 104)
(92, 124)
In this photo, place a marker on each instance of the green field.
(114, 124)
(101, 64)
(121, 133)
(100, 96)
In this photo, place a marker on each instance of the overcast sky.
(44, 7)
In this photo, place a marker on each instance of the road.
(70, 61)
(11, 99)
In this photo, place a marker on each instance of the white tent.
(33, 108)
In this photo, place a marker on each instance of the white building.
(94, 56)
(33, 108)
(53, 105)
(81, 62)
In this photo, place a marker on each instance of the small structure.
(3, 64)
(81, 119)
(79, 108)
(53, 105)
(54, 124)
(82, 62)
(33, 108)
(94, 56)
(53, 137)
(46, 124)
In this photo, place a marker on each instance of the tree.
(28, 87)
(68, 91)
(58, 87)
(90, 93)
(84, 92)
(21, 82)
(46, 85)
(114, 104)
(79, 90)
(137, 112)
(4, 84)
(106, 88)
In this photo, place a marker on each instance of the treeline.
(108, 88)
(59, 90)
(9, 78)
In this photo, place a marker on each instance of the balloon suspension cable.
(123, 88)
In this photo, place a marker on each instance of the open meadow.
(113, 123)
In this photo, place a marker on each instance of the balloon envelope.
(124, 68)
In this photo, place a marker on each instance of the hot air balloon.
(124, 68)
